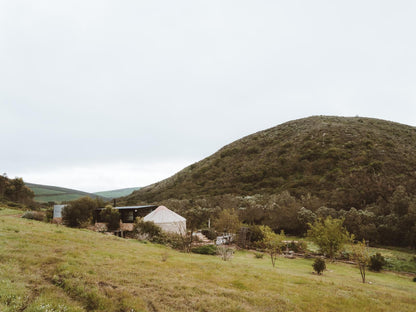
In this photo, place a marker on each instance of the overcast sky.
(99, 95)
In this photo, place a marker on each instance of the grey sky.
(102, 94)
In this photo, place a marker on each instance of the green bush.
(319, 265)
(205, 250)
(209, 233)
(258, 255)
(111, 216)
(79, 212)
(299, 246)
(377, 262)
(147, 228)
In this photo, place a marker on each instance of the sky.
(101, 95)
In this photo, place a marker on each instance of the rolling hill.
(117, 193)
(48, 193)
(343, 161)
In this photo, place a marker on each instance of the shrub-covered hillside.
(359, 169)
(345, 162)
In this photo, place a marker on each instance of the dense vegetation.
(45, 267)
(15, 190)
(48, 193)
(359, 169)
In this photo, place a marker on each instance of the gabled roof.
(163, 215)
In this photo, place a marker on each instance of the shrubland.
(358, 169)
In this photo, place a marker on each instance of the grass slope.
(117, 193)
(345, 161)
(44, 267)
(48, 193)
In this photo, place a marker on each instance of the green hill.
(48, 193)
(117, 193)
(48, 268)
(344, 162)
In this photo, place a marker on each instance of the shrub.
(148, 228)
(258, 255)
(319, 265)
(297, 246)
(79, 212)
(377, 262)
(225, 252)
(34, 215)
(205, 250)
(111, 216)
(209, 233)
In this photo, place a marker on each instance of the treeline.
(391, 222)
(15, 190)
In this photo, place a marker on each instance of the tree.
(227, 221)
(361, 256)
(111, 216)
(329, 235)
(79, 211)
(272, 242)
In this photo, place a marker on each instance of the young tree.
(319, 265)
(329, 235)
(272, 243)
(361, 256)
(78, 211)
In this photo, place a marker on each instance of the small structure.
(127, 213)
(168, 220)
(57, 213)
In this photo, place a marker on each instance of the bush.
(111, 216)
(225, 252)
(34, 215)
(148, 228)
(79, 212)
(377, 262)
(205, 250)
(297, 246)
(319, 265)
(209, 233)
(258, 255)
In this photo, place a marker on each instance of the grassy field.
(45, 267)
(117, 193)
(48, 193)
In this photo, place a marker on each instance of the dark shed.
(128, 213)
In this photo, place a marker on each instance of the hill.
(48, 268)
(48, 193)
(342, 161)
(117, 193)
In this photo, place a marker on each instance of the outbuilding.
(168, 220)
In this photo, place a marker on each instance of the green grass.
(48, 193)
(45, 267)
(117, 193)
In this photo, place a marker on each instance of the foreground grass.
(45, 267)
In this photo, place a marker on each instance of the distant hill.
(344, 161)
(117, 193)
(48, 193)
